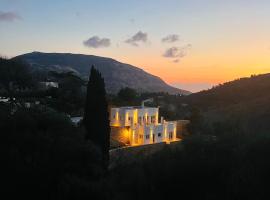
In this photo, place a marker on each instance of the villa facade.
(141, 125)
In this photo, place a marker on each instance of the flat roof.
(134, 107)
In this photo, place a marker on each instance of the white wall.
(126, 116)
(145, 131)
(159, 133)
(171, 130)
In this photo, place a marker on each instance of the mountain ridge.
(116, 74)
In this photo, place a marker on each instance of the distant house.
(47, 85)
(4, 99)
(140, 125)
(76, 120)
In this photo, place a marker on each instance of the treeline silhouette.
(243, 90)
(44, 156)
(243, 103)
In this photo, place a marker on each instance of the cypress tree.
(96, 116)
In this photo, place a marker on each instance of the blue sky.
(225, 39)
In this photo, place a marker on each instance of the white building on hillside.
(141, 125)
(48, 84)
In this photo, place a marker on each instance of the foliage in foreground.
(44, 156)
(206, 167)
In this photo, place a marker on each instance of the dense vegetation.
(44, 156)
(244, 90)
(14, 74)
(242, 103)
(70, 96)
(19, 81)
(230, 167)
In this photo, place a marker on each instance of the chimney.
(147, 100)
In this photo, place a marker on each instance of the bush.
(41, 150)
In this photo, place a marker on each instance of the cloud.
(96, 42)
(138, 37)
(177, 52)
(170, 38)
(9, 16)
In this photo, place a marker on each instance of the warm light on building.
(141, 125)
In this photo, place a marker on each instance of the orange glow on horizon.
(215, 69)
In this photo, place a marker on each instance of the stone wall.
(126, 155)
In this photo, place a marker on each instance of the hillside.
(244, 102)
(117, 75)
(242, 90)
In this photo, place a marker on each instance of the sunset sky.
(191, 44)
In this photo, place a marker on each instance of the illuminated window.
(170, 135)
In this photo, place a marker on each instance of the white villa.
(140, 125)
(48, 84)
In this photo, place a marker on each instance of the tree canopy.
(127, 94)
(96, 116)
(15, 74)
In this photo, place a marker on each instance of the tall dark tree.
(96, 116)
